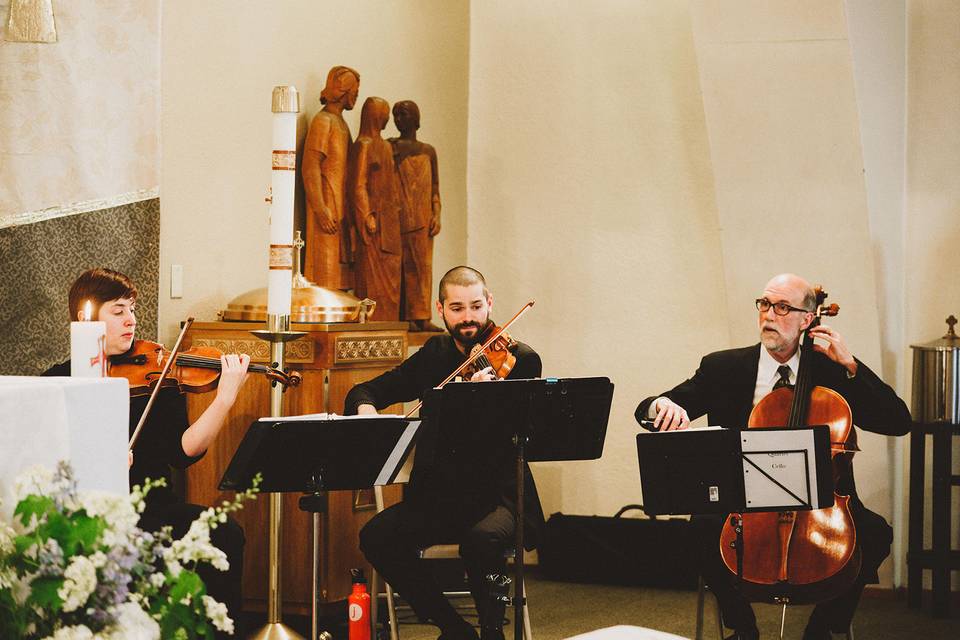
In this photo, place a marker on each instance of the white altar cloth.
(45, 420)
(626, 632)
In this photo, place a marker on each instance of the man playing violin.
(728, 384)
(167, 438)
(433, 512)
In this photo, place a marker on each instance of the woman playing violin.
(167, 439)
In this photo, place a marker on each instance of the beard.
(457, 331)
(773, 340)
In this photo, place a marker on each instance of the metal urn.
(936, 379)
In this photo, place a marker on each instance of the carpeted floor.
(562, 609)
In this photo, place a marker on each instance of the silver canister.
(936, 378)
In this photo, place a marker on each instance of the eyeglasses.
(779, 308)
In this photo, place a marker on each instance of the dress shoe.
(459, 632)
(744, 634)
(491, 633)
(816, 632)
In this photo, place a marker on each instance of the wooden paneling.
(366, 351)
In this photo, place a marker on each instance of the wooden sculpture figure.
(376, 212)
(324, 183)
(416, 164)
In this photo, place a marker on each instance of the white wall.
(220, 61)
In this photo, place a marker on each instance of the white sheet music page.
(786, 456)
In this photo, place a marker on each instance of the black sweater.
(429, 488)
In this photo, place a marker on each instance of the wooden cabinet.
(332, 358)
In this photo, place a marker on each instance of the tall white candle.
(88, 358)
(286, 105)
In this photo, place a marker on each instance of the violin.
(498, 355)
(196, 370)
(801, 557)
(501, 355)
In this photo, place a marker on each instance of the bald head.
(791, 288)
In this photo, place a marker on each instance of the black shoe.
(491, 633)
(816, 632)
(745, 634)
(463, 631)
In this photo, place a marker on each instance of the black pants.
(874, 536)
(223, 586)
(390, 542)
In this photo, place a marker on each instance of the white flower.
(79, 632)
(120, 515)
(80, 581)
(217, 612)
(36, 480)
(133, 623)
(195, 546)
(157, 579)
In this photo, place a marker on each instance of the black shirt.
(429, 487)
(158, 447)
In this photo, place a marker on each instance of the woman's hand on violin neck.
(233, 375)
(484, 374)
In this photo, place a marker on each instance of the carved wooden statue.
(376, 212)
(420, 197)
(324, 182)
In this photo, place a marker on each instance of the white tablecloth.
(626, 632)
(45, 420)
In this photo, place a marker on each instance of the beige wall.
(932, 221)
(590, 190)
(220, 61)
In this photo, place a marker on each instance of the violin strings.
(204, 362)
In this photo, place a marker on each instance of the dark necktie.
(784, 380)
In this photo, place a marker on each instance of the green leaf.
(33, 506)
(187, 583)
(43, 593)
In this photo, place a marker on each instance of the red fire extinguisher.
(358, 607)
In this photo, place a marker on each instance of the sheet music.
(787, 456)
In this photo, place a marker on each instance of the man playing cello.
(433, 512)
(728, 384)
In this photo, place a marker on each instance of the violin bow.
(156, 389)
(476, 353)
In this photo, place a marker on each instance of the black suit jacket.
(723, 386)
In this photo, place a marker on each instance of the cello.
(800, 557)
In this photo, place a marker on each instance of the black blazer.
(723, 386)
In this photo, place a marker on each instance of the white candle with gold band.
(88, 338)
(286, 105)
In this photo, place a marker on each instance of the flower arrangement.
(74, 565)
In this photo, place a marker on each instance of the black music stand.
(728, 471)
(476, 428)
(320, 453)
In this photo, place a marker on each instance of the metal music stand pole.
(277, 333)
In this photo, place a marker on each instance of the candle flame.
(87, 313)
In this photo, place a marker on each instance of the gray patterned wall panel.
(39, 262)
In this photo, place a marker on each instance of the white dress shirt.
(767, 375)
